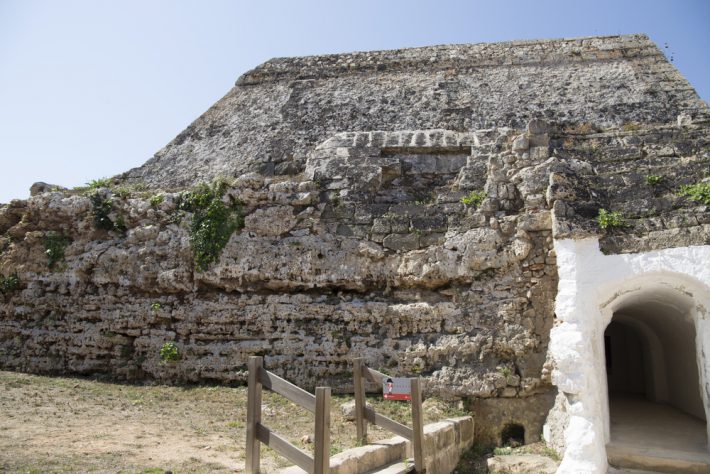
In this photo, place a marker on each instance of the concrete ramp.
(657, 460)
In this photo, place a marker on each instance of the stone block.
(429, 223)
(447, 164)
(521, 144)
(382, 226)
(401, 242)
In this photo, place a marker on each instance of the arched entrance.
(656, 306)
(652, 373)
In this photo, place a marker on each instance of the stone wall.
(370, 253)
(361, 260)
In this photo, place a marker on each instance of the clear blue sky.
(92, 88)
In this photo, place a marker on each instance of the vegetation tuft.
(120, 223)
(156, 200)
(653, 180)
(474, 198)
(99, 183)
(54, 246)
(699, 192)
(123, 192)
(610, 219)
(9, 283)
(101, 207)
(213, 221)
(169, 352)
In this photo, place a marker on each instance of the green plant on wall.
(474, 198)
(94, 185)
(9, 283)
(120, 223)
(99, 183)
(653, 179)
(54, 246)
(122, 192)
(699, 192)
(169, 352)
(213, 221)
(156, 200)
(101, 207)
(610, 219)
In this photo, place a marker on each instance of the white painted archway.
(592, 287)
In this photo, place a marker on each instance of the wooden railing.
(363, 413)
(258, 433)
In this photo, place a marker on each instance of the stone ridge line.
(512, 53)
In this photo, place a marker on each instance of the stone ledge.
(511, 53)
(444, 441)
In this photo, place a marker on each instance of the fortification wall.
(370, 253)
(359, 260)
(368, 211)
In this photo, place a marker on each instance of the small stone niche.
(513, 434)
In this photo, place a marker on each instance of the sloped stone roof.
(277, 113)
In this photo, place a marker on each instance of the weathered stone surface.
(522, 463)
(278, 112)
(40, 187)
(530, 412)
(398, 271)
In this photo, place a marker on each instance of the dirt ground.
(58, 424)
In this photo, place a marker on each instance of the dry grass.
(58, 424)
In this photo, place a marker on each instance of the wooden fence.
(258, 433)
(363, 414)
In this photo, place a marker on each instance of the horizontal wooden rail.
(300, 458)
(389, 424)
(296, 394)
(373, 375)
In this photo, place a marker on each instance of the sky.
(92, 88)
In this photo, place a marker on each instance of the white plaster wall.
(591, 287)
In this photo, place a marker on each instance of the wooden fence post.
(418, 426)
(321, 456)
(360, 403)
(253, 414)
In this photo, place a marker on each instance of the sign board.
(397, 388)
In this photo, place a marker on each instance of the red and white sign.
(395, 388)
